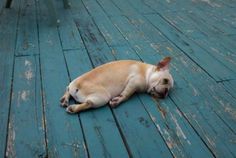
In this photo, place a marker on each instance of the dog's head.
(161, 81)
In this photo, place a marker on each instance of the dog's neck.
(150, 70)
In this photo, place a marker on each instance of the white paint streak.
(28, 72)
(28, 63)
(178, 129)
(211, 3)
(25, 95)
(195, 91)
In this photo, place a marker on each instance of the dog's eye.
(165, 81)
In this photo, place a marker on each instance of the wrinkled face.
(161, 83)
(161, 80)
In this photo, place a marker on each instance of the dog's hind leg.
(65, 98)
(93, 101)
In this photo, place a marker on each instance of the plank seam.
(193, 127)
(12, 79)
(68, 73)
(41, 83)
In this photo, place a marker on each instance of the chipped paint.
(195, 91)
(25, 95)
(212, 4)
(11, 141)
(29, 71)
(28, 63)
(169, 49)
(178, 128)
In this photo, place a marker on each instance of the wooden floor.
(38, 60)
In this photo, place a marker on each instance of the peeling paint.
(28, 72)
(28, 63)
(169, 49)
(195, 91)
(178, 129)
(211, 3)
(25, 94)
(11, 141)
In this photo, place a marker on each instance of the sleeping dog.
(115, 82)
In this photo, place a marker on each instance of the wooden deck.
(37, 61)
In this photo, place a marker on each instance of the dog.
(115, 82)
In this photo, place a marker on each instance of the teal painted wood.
(186, 25)
(216, 49)
(8, 26)
(140, 6)
(112, 36)
(109, 7)
(156, 6)
(215, 21)
(27, 35)
(203, 113)
(196, 53)
(64, 133)
(26, 130)
(128, 30)
(230, 87)
(100, 130)
(69, 34)
(177, 133)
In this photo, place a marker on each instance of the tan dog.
(115, 82)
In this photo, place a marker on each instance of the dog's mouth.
(157, 94)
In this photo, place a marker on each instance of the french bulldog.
(115, 82)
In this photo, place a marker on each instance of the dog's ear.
(164, 64)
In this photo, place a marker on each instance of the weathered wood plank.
(64, 133)
(69, 34)
(230, 87)
(109, 7)
(100, 130)
(196, 53)
(27, 35)
(26, 130)
(112, 36)
(199, 104)
(8, 26)
(192, 29)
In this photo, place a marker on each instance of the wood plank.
(192, 29)
(64, 133)
(112, 36)
(167, 119)
(196, 53)
(203, 107)
(230, 87)
(140, 6)
(69, 34)
(110, 8)
(27, 35)
(8, 26)
(100, 130)
(26, 130)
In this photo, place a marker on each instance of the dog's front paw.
(64, 102)
(71, 109)
(115, 101)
